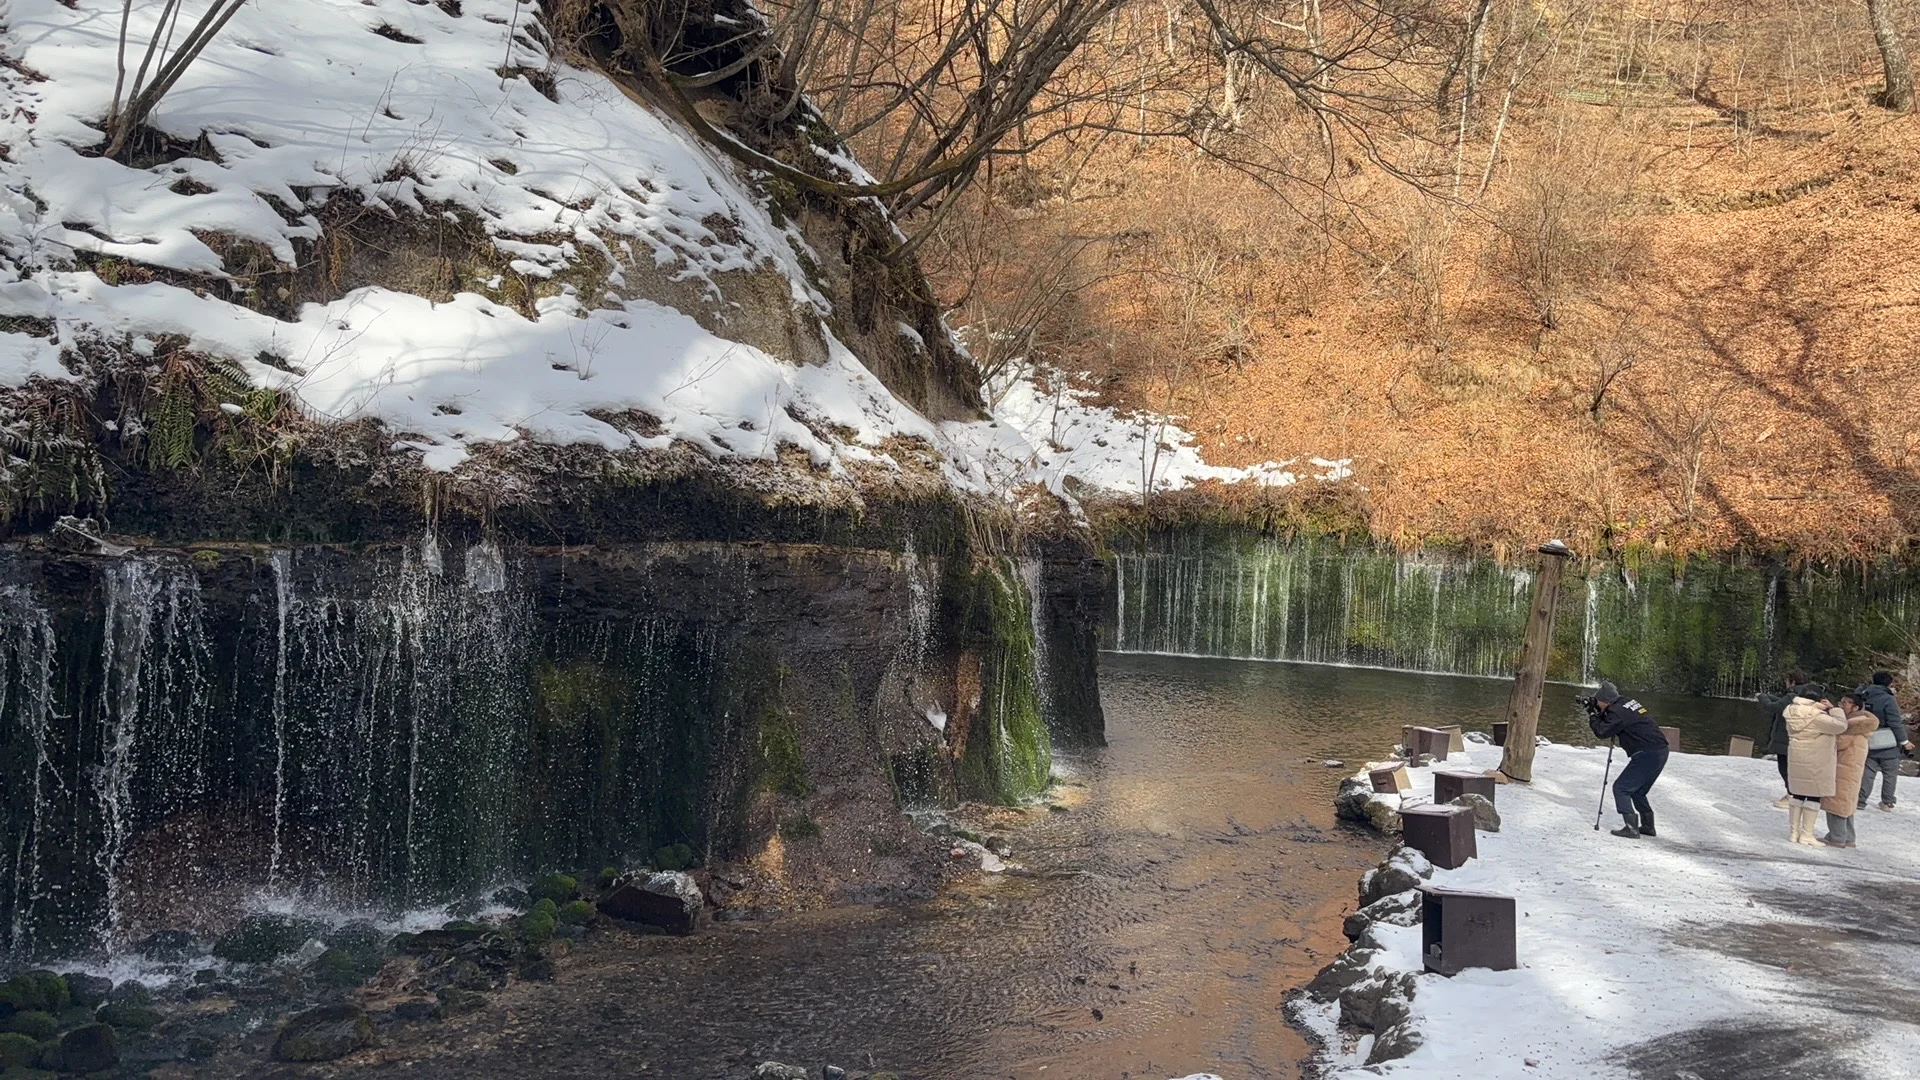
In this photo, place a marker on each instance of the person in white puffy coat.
(1812, 760)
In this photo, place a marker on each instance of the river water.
(1192, 875)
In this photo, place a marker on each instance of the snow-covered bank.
(597, 276)
(1717, 949)
(1050, 429)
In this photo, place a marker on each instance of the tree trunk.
(1898, 95)
(1523, 709)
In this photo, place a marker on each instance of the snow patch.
(1049, 430)
(1618, 939)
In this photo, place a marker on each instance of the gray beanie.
(1607, 692)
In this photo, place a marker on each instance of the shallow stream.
(1151, 927)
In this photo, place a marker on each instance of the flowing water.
(1150, 930)
(377, 735)
(1720, 628)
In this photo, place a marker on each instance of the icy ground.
(1716, 951)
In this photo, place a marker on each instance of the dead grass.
(1738, 277)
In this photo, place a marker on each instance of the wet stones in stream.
(665, 899)
(1355, 802)
(1374, 1001)
(774, 1070)
(324, 1033)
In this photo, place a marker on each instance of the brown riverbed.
(1191, 876)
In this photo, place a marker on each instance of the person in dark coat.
(1886, 742)
(1628, 722)
(1798, 686)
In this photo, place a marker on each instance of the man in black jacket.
(1877, 697)
(1626, 720)
(1798, 685)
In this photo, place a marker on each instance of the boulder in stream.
(89, 1049)
(666, 899)
(88, 990)
(323, 1034)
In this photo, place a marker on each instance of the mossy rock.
(131, 993)
(263, 939)
(674, 857)
(358, 938)
(609, 875)
(577, 913)
(88, 1049)
(18, 1049)
(130, 1015)
(537, 926)
(512, 896)
(35, 991)
(341, 969)
(33, 1023)
(27, 1072)
(556, 887)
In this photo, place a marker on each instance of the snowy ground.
(1049, 428)
(1717, 950)
(459, 110)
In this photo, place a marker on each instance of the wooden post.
(1523, 708)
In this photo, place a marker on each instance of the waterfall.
(26, 703)
(1590, 633)
(919, 606)
(180, 736)
(1702, 626)
(1030, 570)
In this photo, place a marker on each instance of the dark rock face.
(323, 1034)
(667, 899)
(692, 697)
(89, 1049)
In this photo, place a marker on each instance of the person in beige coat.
(1850, 749)
(1812, 762)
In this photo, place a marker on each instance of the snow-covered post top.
(1530, 682)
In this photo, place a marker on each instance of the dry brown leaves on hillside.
(1655, 289)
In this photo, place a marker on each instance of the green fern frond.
(170, 441)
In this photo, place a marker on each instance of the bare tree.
(1898, 93)
(930, 93)
(163, 60)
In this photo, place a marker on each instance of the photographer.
(1626, 720)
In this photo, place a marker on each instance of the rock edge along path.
(1716, 951)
